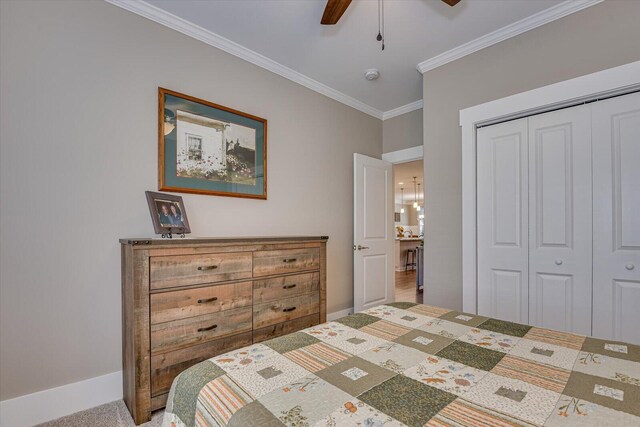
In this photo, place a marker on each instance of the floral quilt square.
(399, 316)
(513, 397)
(244, 358)
(619, 350)
(355, 342)
(328, 331)
(574, 412)
(303, 402)
(267, 375)
(445, 328)
(445, 374)
(608, 367)
(393, 356)
(548, 354)
(357, 413)
(488, 339)
(602, 391)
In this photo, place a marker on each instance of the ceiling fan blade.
(333, 11)
(451, 2)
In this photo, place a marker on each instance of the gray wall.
(400, 132)
(79, 86)
(597, 38)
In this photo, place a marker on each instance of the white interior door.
(502, 185)
(560, 227)
(373, 234)
(616, 218)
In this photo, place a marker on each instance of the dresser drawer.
(285, 309)
(183, 270)
(175, 305)
(166, 366)
(266, 263)
(285, 286)
(193, 330)
(285, 328)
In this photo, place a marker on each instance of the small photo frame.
(167, 213)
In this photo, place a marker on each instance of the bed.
(415, 365)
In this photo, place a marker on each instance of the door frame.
(602, 84)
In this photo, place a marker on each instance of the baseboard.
(47, 405)
(338, 314)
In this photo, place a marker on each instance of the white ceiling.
(289, 32)
(404, 172)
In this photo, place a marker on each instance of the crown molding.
(417, 105)
(548, 15)
(187, 28)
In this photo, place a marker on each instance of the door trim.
(611, 82)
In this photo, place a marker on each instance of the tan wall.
(78, 111)
(400, 132)
(597, 38)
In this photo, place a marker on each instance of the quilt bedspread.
(406, 364)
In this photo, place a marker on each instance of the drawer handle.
(204, 301)
(287, 260)
(207, 267)
(288, 309)
(207, 329)
(289, 286)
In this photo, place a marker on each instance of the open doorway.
(409, 230)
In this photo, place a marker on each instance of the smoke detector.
(371, 74)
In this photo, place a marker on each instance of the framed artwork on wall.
(205, 148)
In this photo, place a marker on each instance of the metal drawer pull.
(558, 261)
(629, 267)
(207, 267)
(289, 286)
(204, 301)
(207, 329)
(290, 260)
(288, 309)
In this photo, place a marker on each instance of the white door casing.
(616, 218)
(502, 221)
(373, 235)
(560, 220)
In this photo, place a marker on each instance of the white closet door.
(502, 221)
(560, 226)
(616, 218)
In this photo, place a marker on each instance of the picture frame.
(168, 214)
(206, 148)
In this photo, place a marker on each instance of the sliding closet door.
(616, 216)
(560, 220)
(502, 221)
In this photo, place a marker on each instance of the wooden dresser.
(187, 300)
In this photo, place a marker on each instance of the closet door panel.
(560, 220)
(616, 216)
(502, 221)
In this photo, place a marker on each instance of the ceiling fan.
(334, 10)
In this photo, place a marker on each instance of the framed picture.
(167, 213)
(206, 148)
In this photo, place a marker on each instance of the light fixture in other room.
(371, 74)
(402, 200)
(415, 193)
(416, 205)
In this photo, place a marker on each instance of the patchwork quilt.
(406, 364)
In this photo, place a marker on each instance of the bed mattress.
(415, 365)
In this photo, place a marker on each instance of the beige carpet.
(114, 414)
